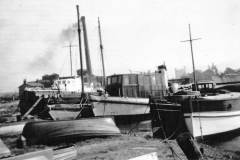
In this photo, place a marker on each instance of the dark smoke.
(44, 62)
(68, 34)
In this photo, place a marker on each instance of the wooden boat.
(205, 116)
(212, 115)
(49, 132)
(129, 93)
(117, 106)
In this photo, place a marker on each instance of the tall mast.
(80, 48)
(70, 50)
(101, 49)
(193, 64)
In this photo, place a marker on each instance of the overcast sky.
(138, 35)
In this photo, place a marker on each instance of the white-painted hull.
(115, 106)
(211, 123)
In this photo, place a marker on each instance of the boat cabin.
(138, 85)
(205, 87)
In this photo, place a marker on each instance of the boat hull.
(207, 124)
(222, 102)
(49, 132)
(119, 106)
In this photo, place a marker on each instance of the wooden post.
(30, 109)
(189, 146)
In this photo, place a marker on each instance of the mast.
(70, 50)
(80, 48)
(101, 49)
(193, 64)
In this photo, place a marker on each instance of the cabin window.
(125, 80)
(210, 85)
(114, 80)
(200, 86)
(119, 79)
(132, 79)
(153, 79)
(108, 80)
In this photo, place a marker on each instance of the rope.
(63, 64)
(199, 119)
(166, 141)
(131, 129)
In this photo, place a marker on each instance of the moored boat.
(212, 115)
(117, 106)
(209, 124)
(205, 115)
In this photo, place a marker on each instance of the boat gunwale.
(208, 114)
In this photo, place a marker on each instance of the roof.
(205, 82)
(32, 84)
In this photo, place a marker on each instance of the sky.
(138, 35)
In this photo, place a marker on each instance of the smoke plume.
(44, 62)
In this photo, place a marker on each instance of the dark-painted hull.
(221, 102)
(206, 116)
(48, 132)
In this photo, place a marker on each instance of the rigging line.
(63, 64)
(167, 141)
(178, 127)
(199, 119)
(190, 40)
(137, 124)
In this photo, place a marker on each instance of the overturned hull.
(50, 132)
(12, 128)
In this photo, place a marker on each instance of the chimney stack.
(88, 59)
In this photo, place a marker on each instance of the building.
(31, 84)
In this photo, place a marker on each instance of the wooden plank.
(4, 151)
(30, 109)
(189, 146)
(150, 156)
(13, 129)
(63, 115)
(68, 153)
(46, 154)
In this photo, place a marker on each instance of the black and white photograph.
(119, 80)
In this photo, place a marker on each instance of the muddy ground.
(120, 147)
(125, 147)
